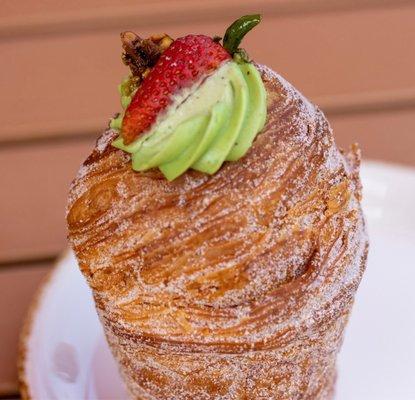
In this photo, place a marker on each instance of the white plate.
(66, 355)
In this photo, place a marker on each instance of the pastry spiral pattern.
(231, 286)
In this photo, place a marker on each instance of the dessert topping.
(191, 102)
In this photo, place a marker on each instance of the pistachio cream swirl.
(216, 122)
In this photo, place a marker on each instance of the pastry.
(219, 227)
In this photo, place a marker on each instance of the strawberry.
(187, 60)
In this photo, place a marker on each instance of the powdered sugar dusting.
(233, 286)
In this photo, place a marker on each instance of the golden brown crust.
(232, 286)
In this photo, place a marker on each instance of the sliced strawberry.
(182, 64)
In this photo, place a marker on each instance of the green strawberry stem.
(236, 32)
(241, 56)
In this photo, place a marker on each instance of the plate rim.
(28, 324)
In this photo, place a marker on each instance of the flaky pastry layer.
(231, 286)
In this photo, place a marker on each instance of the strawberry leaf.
(236, 32)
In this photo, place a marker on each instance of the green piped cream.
(206, 126)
